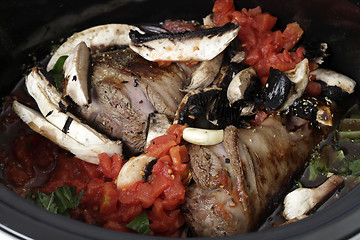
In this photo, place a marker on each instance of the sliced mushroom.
(194, 105)
(158, 123)
(205, 74)
(239, 84)
(276, 90)
(283, 88)
(205, 137)
(302, 200)
(300, 77)
(76, 72)
(40, 125)
(333, 78)
(198, 45)
(49, 102)
(46, 96)
(315, 51)
(133, 171)
(207, 21)
(98, 37)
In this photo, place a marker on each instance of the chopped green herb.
(59, 201)
(140, 224)
(57, 72)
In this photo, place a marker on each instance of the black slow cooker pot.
(28, 29)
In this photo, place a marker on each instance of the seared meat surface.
(125, 89)
(237, 179)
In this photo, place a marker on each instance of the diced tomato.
(313, 88)
(126, 196)
(162, 166)
(292, 35)
(161, 145)
(252, 12)
(180, 157)
(177, 130)
(162, 221)
(221, 6)
(110, 166)
(260, 116)
(127, 212)
(92, 170)
(93, 190)
(108, 203)
(160, 183)
(264, 22)
(179, 154)
(263, 48)
(176, 191)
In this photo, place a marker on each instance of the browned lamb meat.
(238, 179)
(125, 89)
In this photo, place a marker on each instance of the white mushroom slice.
(300, 76)
(44, 94)
(207, 21)
(205, 74)
(158, 124)
(239, 84)
(40, 125)
(45, 89)
(76, 72)
(205, 137)
(96, 38)
(199, 45)
(302, 200)
(333, 78)
(132, 171)
(238, 57)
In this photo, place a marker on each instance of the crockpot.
(28, 29)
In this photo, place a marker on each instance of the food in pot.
(186, 129)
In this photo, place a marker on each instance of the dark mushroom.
(194, 106)
(276, 90)
(315, 51)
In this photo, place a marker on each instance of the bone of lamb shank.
(125, 89)
(236, 180)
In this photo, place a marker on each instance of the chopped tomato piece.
(292, 35)
(161, 145)
(222, 6)
(108, 203)
(313, 88)
(260, 116)
(110, 166)
(264, 22)
(177, 130)
(263, 48)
